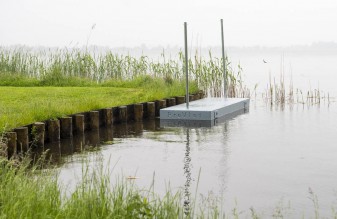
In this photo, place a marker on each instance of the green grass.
(32, 192)
(23, 105)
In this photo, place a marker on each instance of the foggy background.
(152, 23)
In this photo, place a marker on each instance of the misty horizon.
(132, 23)
(314, 47)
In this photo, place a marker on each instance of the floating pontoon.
(205, 111)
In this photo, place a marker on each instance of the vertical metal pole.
(186, 66)
(224, 59)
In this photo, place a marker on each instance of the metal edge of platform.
(172, 113)
(201, 123)
(242, 105)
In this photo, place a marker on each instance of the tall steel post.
(186, 66)
(224, 59)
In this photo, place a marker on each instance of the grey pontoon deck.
(205, 109)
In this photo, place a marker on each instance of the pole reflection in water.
(187, 173)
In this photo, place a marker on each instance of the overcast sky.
(132, 23)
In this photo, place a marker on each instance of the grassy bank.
(37, 85)
(24, 105)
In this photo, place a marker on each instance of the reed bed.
(209, 76)
(277, 93)
(49, 65)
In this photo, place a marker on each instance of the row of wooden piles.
(21, 139)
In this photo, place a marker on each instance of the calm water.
(264, 158)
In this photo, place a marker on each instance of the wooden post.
(38, 132)
(54, 148)
(54, 130)
(78, 142)
(115, 115)
(191, 97)
(94, 120)
(160, 104)
(106, 134)
(156, 103)
(22, 139)
(92, 138)
(11, 139)
(144, 109)
(86, 121)
(66, 127)
(171, 102)
(122, 114)
(107, 117)
(120, 130)
(137, 128)
(130, 112)
(138, 112)
(150, 125)
(180, 100)
(196, 96)
(151, 110)
(67, 146)
(78, 125)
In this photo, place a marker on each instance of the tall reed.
(103, 66)
(277, 93)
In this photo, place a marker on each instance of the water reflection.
(54, 150)
(105, 135)
(78, 142)
(92, 138)
(187, 173)
(172, 152)
(95, 138)
(201, 123)
(255, 158)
